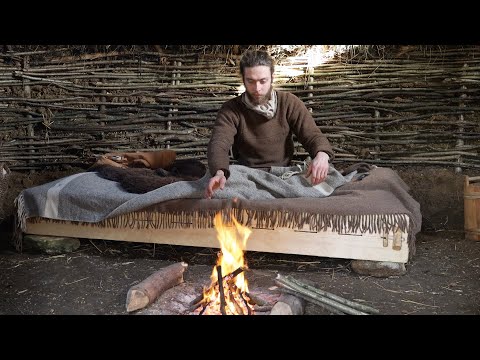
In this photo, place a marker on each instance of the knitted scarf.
(268, 109)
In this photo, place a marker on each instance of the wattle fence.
(413, 107)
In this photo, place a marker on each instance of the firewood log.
(147, 291)
(288, 304)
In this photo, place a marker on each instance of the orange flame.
(233, 238)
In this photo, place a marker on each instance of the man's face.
(258, 84)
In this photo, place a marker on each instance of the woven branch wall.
(412, 108)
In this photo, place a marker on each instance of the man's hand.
(216, 182)
(318, 168)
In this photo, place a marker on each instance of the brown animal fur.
(142, 180)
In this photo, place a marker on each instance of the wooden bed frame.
(392, 246)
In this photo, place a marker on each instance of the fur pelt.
(142, 180)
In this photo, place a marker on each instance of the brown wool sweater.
(259, 142)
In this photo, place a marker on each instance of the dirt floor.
(442, 278)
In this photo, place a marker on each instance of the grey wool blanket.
(89, 198)
(282, 197)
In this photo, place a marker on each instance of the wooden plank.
(280, 240)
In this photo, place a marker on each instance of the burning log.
(220, 289)
(195, 303)
(232, 299)
(331, 302)
(232, 275)
(233, 289)
(227, 294)
(200, 299)
(147, 291)
(203, 309)
(227, 291)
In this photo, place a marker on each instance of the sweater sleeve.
(308, 133)
(221, 140)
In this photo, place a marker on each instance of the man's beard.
(262, 100)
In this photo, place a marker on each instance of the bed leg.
(397, 239)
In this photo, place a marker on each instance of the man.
(260, 123)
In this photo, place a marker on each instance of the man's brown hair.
(253, 58)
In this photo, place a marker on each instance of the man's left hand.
(318, 168)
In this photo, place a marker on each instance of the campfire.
(228, 291)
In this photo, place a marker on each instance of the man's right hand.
(216, 182)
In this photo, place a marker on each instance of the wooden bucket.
(471, 203)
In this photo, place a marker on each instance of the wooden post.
(28, 94)
(376, 115)
(310, 71)
(461, 123)
(102, 107)
(175, 81)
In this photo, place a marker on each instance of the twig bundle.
(331, 302)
